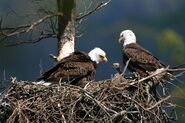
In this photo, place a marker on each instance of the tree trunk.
(66, 28)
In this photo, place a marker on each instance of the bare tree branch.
(158, 74)
(28, 27)
(61, 31)
(41, 37)
(158, 103)
(125, 68)
(111, 100)
(99, 6)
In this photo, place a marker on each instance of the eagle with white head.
(76, 68)
(141, 60)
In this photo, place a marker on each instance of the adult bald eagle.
(75, 68)
(141, 60)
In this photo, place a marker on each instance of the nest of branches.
(114, 100)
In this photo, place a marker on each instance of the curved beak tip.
(121, 39)
(105, 59)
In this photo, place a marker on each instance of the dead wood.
(115, 100)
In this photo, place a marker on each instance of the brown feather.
(75, 68)
(141, 59)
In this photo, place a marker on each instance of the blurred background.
(159, 27)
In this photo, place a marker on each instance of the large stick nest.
(115, 100)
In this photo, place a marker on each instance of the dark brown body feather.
(73, 69)
(142, 61)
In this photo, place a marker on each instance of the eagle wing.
(142, 58)
(70, 70)
(76, 66)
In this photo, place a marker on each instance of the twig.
(175, 70)
(101, 105)
(129, 98)
(30, 26)
(40, 38)
(159, 102)
(122, 113)
(125, 68)
(99, 6)
(53, 57)
(109, 100)
(92, 97)
(13, 80)
(157, 72)
(180, 74)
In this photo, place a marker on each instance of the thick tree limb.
(66, 28)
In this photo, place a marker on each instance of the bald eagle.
(75, 68)
(141, 60)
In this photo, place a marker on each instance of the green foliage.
(171, 43)
(179, 100)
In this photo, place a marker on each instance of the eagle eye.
(101, 56)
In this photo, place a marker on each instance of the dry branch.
(62, 28)
(36, 40)
(161, 101)
(127, 63)
(158, 74)
(111, 101)
(95, 9)
(28, 27)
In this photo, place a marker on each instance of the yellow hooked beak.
(104, 58)
(121, 39)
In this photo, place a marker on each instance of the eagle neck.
(95, 64)
(93, 58)
(127, 45)
(129, 40)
